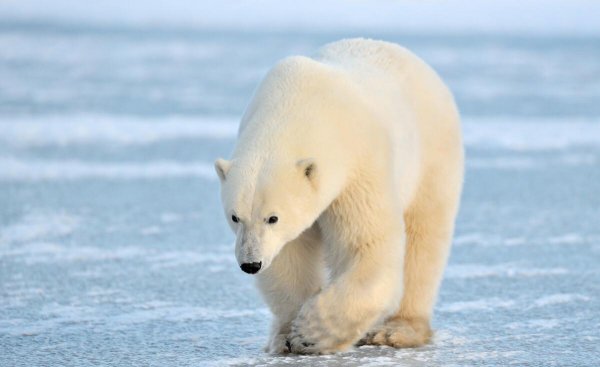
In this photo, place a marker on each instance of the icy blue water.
(113, 249)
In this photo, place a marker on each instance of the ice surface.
(113, 246)
(510, 133)
(43, 170)
(109, 129)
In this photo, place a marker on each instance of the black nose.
(251, 268)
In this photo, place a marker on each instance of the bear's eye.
(235, 219)
(272, 220)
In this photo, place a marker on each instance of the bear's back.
(388, 57)
(396, 64)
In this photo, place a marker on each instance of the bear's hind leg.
(294, 276)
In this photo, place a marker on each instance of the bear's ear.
(222, 167)
(308, 168)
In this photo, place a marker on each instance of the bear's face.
(267, 207)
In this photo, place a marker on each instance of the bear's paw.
(399, 333)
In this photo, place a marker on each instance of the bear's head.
(267, 205)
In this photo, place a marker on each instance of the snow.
(479, 305)
(14, 169)
(113, 245)
(82, 129)
(517, 134)
(39, 225)
(556, 299)
(528, 134)
(466, 271)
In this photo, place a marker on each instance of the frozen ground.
(114, 251)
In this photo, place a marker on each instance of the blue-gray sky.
(514, 16)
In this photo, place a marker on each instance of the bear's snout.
(251, 268)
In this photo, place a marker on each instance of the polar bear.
(342, 190)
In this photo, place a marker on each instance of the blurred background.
(113, 245)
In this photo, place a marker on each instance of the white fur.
(358, 153)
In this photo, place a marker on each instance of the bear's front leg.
(278, 336)
(366, 288)
(295, 275)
